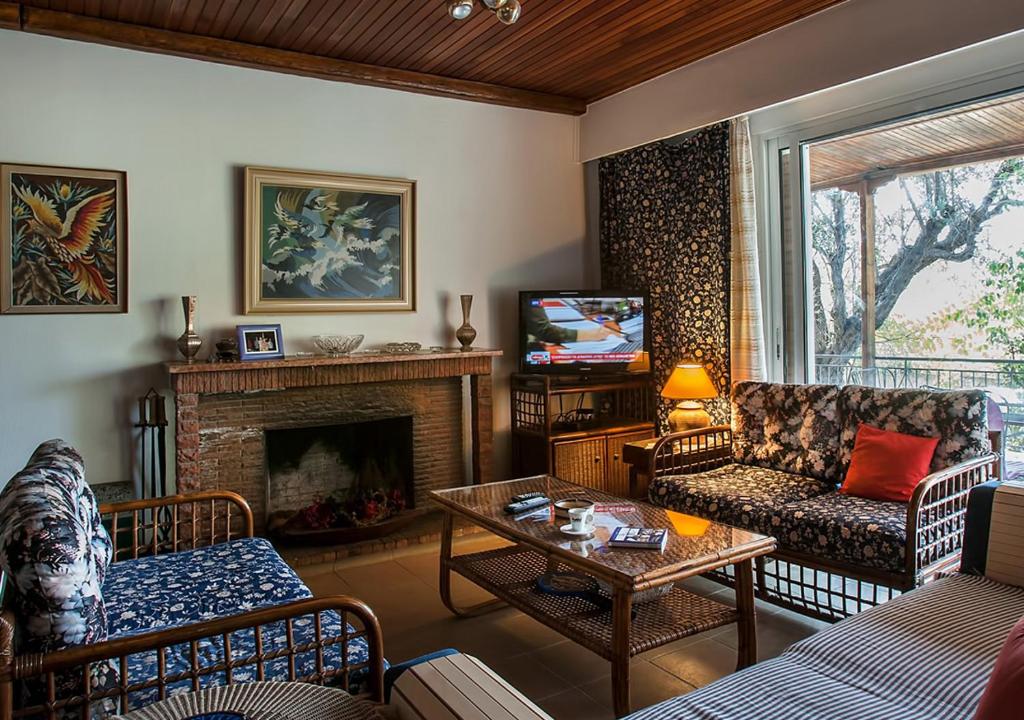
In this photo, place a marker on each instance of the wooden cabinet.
(596, 462)
(584, 446)
(580, 461)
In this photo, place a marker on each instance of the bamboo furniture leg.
(746, 627)
(447, 528)
(622, 609)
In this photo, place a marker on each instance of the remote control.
(518, 507)
(526, 496)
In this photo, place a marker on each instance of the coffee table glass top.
(693, 543)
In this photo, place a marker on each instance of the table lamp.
(689, 383)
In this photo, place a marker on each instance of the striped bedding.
(924, 656)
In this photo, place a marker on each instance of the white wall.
(500, 208)
(852, 40)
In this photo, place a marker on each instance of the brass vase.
(189, 342)
(466, 334)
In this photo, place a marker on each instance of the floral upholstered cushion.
(56, 554)
(959, 418)
(844, 528)
(167, 591)
(55, 550)
(793, 428)
(739, 495)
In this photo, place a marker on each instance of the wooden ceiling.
(560, 56)
(979, 132)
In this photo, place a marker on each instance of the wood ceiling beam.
(10, 16)
(229, 52)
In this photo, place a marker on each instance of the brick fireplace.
(225, 410)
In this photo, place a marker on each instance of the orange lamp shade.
(689, 382)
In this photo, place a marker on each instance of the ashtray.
(562, 507)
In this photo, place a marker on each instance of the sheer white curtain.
(746, 326)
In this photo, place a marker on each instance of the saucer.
(567, 530)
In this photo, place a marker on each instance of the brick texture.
(231, 454)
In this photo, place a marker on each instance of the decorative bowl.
(337, 344)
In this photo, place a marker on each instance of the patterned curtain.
(665, 229)
(746, 324)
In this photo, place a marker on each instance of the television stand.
(575, 427)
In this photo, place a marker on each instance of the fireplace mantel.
(210, 378)
(235, 386)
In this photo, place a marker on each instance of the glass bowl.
(337, 344)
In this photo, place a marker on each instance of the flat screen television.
(580, 331)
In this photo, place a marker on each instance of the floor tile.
(699, 663)
(573, 662)
(574, 704)
(649, 685)
(326, 583)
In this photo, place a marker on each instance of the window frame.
(785, 252)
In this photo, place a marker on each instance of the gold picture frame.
(328, 242)
(63, 240)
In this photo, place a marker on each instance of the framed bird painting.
(325, 242)
(63, 240)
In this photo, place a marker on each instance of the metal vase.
(466, 334)
(189, 342)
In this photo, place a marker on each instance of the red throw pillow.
(1004, 693)
(887, 465)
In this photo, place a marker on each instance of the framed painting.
(63, 240)
(323, 242)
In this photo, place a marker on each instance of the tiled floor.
(565, 679)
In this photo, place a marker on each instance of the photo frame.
(63, 240)
(328, 242)
(260, 342)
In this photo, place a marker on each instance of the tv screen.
(584, 330)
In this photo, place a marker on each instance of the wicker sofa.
(176, 597)
(777, 469)
(927, 655)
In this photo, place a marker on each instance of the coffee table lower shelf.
(510, 574)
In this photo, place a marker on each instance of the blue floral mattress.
(167, 591)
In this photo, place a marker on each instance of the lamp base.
(688, 415)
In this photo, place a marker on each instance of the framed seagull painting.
(324, 242)
(63, 240)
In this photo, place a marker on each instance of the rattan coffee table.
(611, 623)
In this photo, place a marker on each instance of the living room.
(311, 291)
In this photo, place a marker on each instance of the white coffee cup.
(581, 518)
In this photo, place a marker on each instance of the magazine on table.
(639, 538)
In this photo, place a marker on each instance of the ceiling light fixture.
(460, 9)
(507, 11)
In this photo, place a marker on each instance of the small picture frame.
(260, 342)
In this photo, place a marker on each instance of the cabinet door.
(581, 461)
(618, 470)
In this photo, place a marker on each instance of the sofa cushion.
(55, 552)
(844, 528)
(793, 428)
(887, 465)
(1003, 698)
(894, 661)
(165, 591)
(739, 495)
(959, 418)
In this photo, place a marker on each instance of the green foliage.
(999, 312)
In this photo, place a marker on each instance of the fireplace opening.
(339, 483)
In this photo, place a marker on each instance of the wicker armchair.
(289, 641)
(822, 583)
